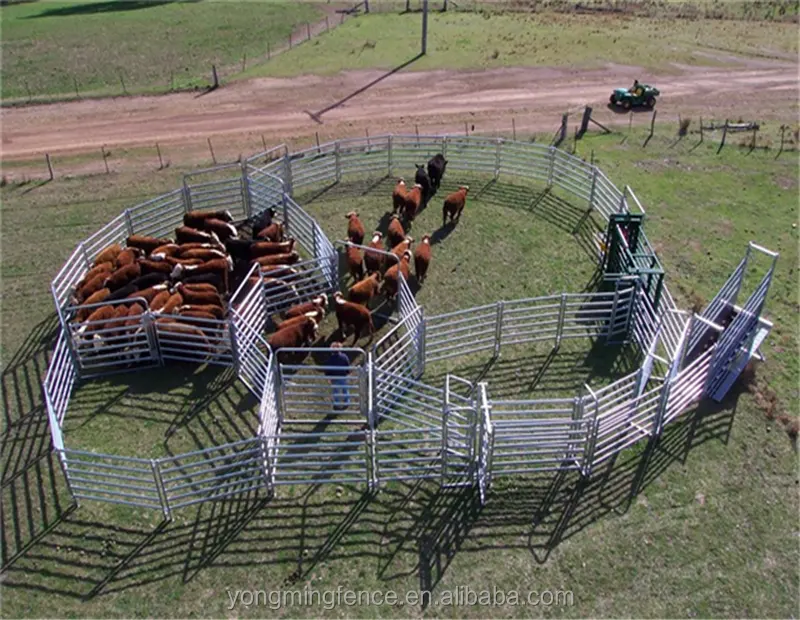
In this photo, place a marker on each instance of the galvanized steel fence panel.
(408, 454)
(402, 402)
(314, 165)
(222, 195)
(362, 155)
(265, 191)
(463, 332)
(284, 291)
(537, 435)
(687, 387)
(58, 384)
(118, 343)
(69, 275)
(190, 339)
(213, 473)
(315, 458)
(116, 231)
(310, 393)
(114, 479)
(158, 217)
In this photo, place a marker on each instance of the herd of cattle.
(376, 268)
(186, 282)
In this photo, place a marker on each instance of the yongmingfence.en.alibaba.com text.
(461, 596)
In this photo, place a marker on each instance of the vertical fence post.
(160, 489)
(86, 257)
(444, 147)
(128, 221)
(421, 344)
(658, 424)
(287, 174)
(62, 461)
(593, 190)
(551, 166)
(561, 311)
(613, 316)
(49, 166)
(592, 431)
(338, 156)
(187, 196)
(286, 223)
(623, 201)
(266, 465)
(370, 366)
(445, 417)
(248, 208)
(152, 337)
(574, 434)
(234, 347)
(498, 329)
(389, 154)
(497, 158)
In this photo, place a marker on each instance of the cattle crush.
(406, 429)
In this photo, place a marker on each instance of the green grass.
(155, 46)
(491, 40)
(704, 524)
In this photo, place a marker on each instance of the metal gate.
(459, 437)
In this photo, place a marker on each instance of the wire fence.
(380, 420)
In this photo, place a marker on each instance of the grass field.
(703, 523)
(492, 39)
(155, 46)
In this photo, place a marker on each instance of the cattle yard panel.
(463, 332)
(158, 217)
(114, 344)
(116, 231)
(58, 384)
(311, 393)
(221, 188)
(319, 457)
(537, 435)
(191, 339)
(402, 402)
(720, 306)
(113, 479)
(213, 474)
(404, 428)
(264, 191)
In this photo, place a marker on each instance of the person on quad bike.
(636, 89)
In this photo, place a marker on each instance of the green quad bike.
(639, 95)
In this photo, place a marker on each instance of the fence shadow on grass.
(34, 497)
(407, 528)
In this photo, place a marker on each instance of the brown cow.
(422, 258)
(94, 298)
(363, 291)
(413, 202)
(277, 259)
(391, 279)
(355, 263)
(148, 244)
(399, 196)
(267, 248)
(128, 256)
(196, 219)
(108, 254)
(318, 303)
(122, 276)
(187, 234)
(273, 232)
(353, 315)
(294, 336)
(396, 234)
(355, 229)
(373, 260)
(454, 204)
(223, 230)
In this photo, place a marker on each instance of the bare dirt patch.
(436, 100)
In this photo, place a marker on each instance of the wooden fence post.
(211, 148)
(75, 82)
(724, 135)
(122, 81)
(49, 166)
(214, 76)
(160, 161)
(513, 126)
(105, 157)
(308, 31)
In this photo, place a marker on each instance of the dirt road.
(277, 108)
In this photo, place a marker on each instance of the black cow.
(262, 220)
(424, 180)
(436, 167)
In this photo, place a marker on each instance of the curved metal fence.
(383, 422)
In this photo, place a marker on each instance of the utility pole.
(424, 26)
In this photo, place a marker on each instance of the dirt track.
(277, 108)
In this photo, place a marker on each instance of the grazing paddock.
(579, 536)
(52, 48)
